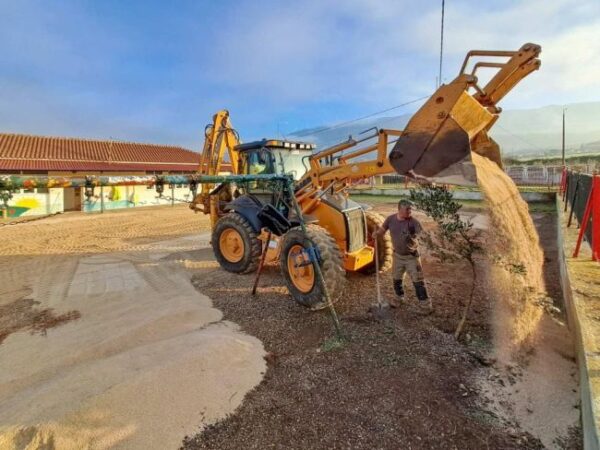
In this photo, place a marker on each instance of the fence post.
(564, 187)
(563, 181)
(592, 209)
(101, 198)
(575, 192)
(595, 244)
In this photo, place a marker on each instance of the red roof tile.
(23, 152)
(62, 166)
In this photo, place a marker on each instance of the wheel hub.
(231, 245)
(300, 269)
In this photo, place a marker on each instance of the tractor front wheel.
(235, 244)
(298, 270)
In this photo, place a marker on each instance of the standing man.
(404, 230)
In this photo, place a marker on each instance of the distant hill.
(524, 133)
(591, 147)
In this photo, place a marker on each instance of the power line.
(535, 147)
(341, 124)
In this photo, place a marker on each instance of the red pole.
(586, 218)
(563, 181)
(596, 218)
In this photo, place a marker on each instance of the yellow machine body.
(435, 145)
(356, 255)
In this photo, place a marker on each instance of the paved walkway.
(144, 360)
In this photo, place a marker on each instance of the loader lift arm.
(521, 63)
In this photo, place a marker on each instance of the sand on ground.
(537, 391)
(144, 362)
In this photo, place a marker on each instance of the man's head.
(405, 208)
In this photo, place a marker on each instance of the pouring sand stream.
(533, 385)
(516, 275)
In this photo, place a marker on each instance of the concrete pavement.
(148, 361)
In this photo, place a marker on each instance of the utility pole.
(563, 137)
(441, 45)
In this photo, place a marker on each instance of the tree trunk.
(463, 319)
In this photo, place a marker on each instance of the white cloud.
(310, 51)
(567, 30)
(385, 52)
(267, 60)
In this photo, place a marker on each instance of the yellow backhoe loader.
(435, 145)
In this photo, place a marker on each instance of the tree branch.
(467, 308)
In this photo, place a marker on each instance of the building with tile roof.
(44, 155)
(40, 154)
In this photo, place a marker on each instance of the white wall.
(133, 196)
(36, 203)
(41, 203)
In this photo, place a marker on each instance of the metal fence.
(540, 175)
(576, 194)
(535, 175)
(393, 179)
(582, 192)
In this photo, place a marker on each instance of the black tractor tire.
(251, 249)
(331, 266)
(385, 248)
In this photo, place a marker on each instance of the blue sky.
(154, 71)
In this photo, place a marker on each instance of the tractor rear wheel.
(385, 248)
(235, 244)
(299, 272)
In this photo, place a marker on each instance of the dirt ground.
(117, 230)
(402, 384)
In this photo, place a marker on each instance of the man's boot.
(425, 304)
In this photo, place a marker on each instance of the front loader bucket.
(437, 142)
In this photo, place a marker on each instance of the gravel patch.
(404, 383)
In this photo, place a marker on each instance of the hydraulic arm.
(219, 138)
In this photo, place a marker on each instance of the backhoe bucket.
(437, 142)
